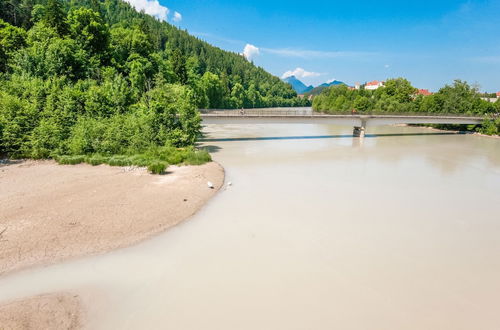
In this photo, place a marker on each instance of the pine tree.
(56, 17)
(179, 66)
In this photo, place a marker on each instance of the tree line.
(97, 77)
(399, 96)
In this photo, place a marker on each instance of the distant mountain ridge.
(298, 85)
(302, 88)
(317, 90)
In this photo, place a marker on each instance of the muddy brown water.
(317, 231)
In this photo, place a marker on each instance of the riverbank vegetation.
(86, 77)
(399, 96)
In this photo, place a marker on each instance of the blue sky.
(429, 42)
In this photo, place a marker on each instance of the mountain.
(332, 83)
(298, 85)
(301, 88)
(317, 90)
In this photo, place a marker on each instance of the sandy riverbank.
(51, 311)
(51, 212)
(454, 131)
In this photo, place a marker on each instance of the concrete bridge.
(307, 116)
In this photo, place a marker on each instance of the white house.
(373, 85)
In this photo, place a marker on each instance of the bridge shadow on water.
(317, 137)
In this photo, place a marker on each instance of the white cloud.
(151, 7)
(177, 17)
(331, 80)
(250, 52)
(300, 73)
(387, 66)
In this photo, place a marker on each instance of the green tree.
(126, 42)
(179, 66)
(238, 95)
(49, 56)
(361, 103)
(399, 89)
(55, 16)
(90, 31)
(459, 98)
(11, 39)
(214, 90)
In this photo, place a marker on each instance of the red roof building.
(372, 85)
(424, 92)
(498, 94)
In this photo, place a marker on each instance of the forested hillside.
(84, 77)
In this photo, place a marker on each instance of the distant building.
(498, 94)
(424, 92)
(373, 85)
(357, 86)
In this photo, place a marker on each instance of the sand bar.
(51, 311)
(51, 212)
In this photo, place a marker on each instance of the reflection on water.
(396, 231)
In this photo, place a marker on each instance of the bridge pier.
(359, 131)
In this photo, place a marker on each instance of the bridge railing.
(406, 114)
(261, 112)
(309, 112)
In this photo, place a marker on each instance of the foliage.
(198, 158)
(156, 159)
(157, 167)
(70, 160)
(490, 127)
(96, 159)
(399, 96)
(97, 78)
(55, 16)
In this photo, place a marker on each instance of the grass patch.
(95, 160)
(157, 167)
(156, 159)
(140, 160)
(198, 157)
(70, 160)
(119, 161)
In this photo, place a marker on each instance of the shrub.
(70, 160)
(198, 157)
(119, 161)
(96, 160)
(490, 127)
(140, 160)
(175, 158)
(157, 167)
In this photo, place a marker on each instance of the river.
(317, 231)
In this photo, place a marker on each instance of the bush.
(198, 157)
(120, 161)
(157, 167)
(96, 160)
(70, 160)
(490, 127)
(140, 160)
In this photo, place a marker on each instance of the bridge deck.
(355, 120)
